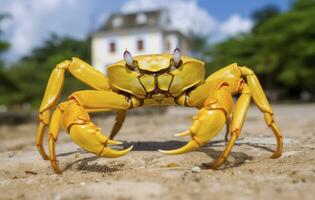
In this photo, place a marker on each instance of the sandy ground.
(145, 173)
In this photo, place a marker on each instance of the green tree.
(4, 45)
(198, 43)
(303, 4)
(32, 72)
(6, 84)
(281, 49)
(263, 15)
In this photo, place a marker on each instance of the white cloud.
(186, 15)
(32, 21)
(236, 24)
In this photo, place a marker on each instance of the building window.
(112, 47)
(117, 21)
(140, 45)
(141, 18)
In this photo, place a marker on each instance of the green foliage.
(263, 15)
(4, 45)
(32, 72)
(198, 43)
(6, 84)
(303, 4)
(281, 48)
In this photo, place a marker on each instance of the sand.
(145, 173)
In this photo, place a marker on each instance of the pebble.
(171, 165)
(29, 181)
(82, 183)
(58, 197)
(196, 169)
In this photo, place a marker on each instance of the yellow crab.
(151, 80)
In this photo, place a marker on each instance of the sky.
(32, 21)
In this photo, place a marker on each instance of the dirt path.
(146, 174)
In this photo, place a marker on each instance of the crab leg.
(77, 122)
(80, 70)
(208, 121)
(120, 118)
(53, 134)
(40, 135)
(238, 119)
(227, 131)
(262, 103)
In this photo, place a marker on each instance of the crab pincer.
(206, 125)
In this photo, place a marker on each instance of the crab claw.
(87, 135)
(90, 138)
(114, 142)
(111, 153)
(206, 125)
(182, 134)
(190, 146)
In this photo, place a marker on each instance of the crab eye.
(177, 54)
(128, 58)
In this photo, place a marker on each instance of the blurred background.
(275, 38)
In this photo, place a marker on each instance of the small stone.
(171, 165)
(30, 172)
(58, 197)
(82, 183)
(196, 169)
(29, 181)
(197, 179)
(251, 171)
(70, 182)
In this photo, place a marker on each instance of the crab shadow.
(85, 164)
(238, 157)
(235, 158)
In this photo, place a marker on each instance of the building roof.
(144, 19)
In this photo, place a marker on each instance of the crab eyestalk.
(177, 54)
(128, 59)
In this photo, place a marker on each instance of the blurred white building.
(140, 33)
